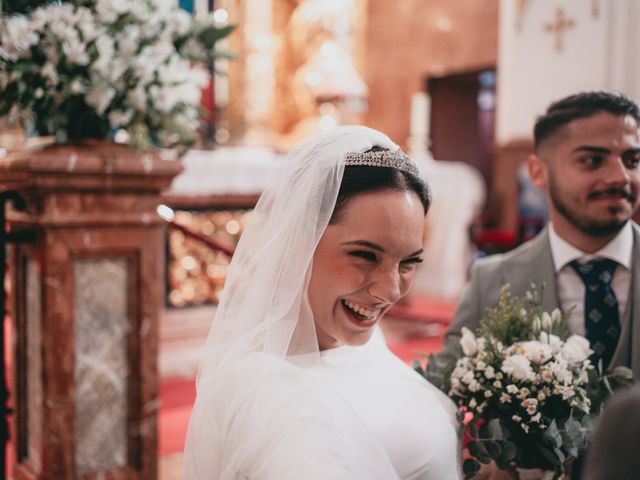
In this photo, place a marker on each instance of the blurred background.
(457, 83)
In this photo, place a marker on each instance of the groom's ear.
(538, 171)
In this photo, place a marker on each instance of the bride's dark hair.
(361, 179)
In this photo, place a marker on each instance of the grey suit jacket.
(611, 454)
(532, 262)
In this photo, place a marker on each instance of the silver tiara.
(383, 158)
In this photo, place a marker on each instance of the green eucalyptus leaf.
(493, 448)
(470, 467)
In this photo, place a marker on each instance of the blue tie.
(601, 313)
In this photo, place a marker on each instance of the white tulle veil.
(263, 335)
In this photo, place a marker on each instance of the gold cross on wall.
(558, 27)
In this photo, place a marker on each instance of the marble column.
(87, 295)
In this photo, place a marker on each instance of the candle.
(420, 112)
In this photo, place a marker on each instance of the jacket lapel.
(533, 264)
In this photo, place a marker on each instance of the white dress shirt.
(571, 289)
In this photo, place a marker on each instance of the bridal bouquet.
(527, 388)
(83, 69)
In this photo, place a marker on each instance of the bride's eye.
(364, 254)
(410, 264)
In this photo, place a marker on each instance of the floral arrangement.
(527, 388)
(87, 69)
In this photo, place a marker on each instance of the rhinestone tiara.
(383, 158)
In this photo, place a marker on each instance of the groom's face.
(590, 170)
(364, 263)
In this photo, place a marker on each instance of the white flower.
(518, 367)
(468, 377)
(474, 385)
(137, 98)
(531, 405)
(489, 372)
(512, 389)
(554, 341)
(576, 349)
(536, 352)
(109, 10)
(505, 398)
(468, 342)
(118, 118)
(50, 74)
(472, 403)
(77, 87)
(488, 394)
(76, 53)
(181, 22)
(16, 37)
(516, 418)
(105, 48)
(99, 97)
(536, 417)
(129, 41)
(546, 321)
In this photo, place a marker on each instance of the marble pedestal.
(86, 299)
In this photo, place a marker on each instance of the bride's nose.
(385, 286)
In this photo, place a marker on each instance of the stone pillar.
(87, 295)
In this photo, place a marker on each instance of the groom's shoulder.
(523, 255)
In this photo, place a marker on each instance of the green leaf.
(493, 448)
(509, 451)
(470, 467)
(495, 429)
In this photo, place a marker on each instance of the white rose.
(76, 53)
(518, 367)
(137, 98)
(100, 97)
(576, 349)
(536, 352)
(489, 372)
(118, 118)
(468, 342)
(552, 340)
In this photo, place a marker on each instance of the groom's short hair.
(580, 105)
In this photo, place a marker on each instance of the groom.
(587, 160)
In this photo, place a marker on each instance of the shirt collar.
(620, 249)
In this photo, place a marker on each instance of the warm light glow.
(233, 227)
(221, 15)
(165, 212)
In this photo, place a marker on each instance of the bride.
(297, 382)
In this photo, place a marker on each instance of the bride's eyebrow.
(365, 243)
(375, 246)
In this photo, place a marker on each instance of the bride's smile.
(364, 263)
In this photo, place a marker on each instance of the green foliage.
(13, 7)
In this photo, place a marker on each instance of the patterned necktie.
(601, 314)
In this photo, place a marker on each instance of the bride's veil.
(264, 307)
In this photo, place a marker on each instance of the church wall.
(596, 48)
(409, 40)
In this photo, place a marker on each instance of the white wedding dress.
(413, 420)
(359, 414)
